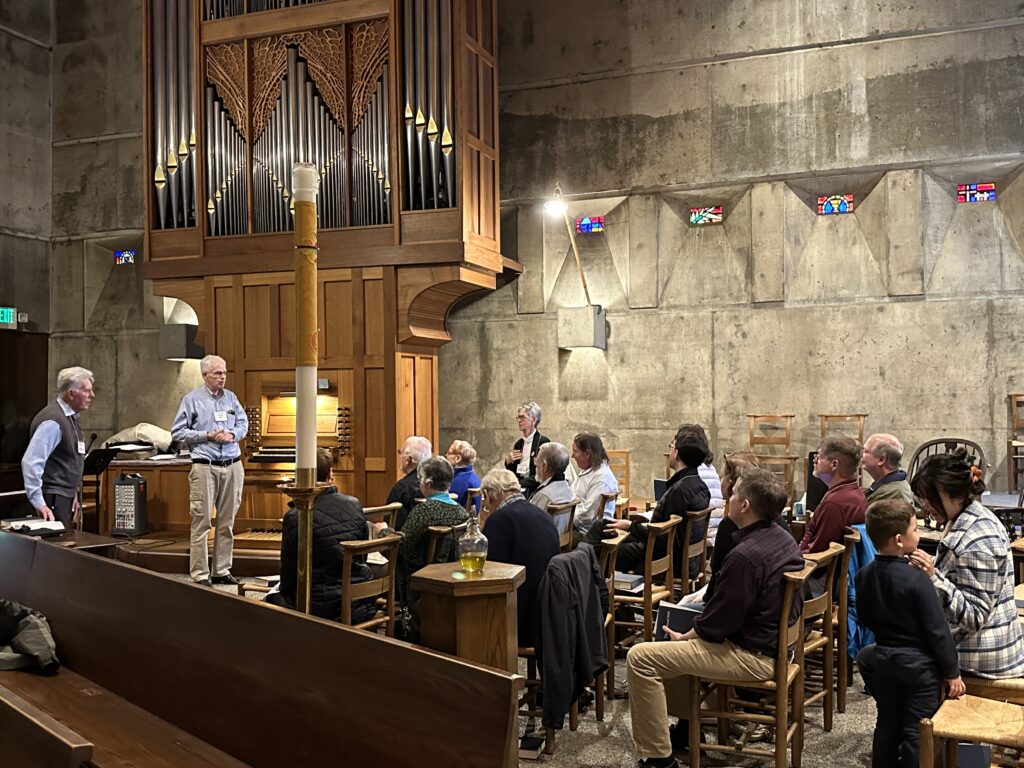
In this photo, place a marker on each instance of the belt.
(212, 463)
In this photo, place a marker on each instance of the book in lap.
(679, 618)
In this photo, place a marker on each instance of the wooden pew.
(31, 738)
(248, 683)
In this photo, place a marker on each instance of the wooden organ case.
(396, 102)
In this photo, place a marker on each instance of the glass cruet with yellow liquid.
(473, 547)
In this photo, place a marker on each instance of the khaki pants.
(659, 683)
(213, 487)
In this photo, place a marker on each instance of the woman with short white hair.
(552, 461)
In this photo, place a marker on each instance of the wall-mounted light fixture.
(577, 326)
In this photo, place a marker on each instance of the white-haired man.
(212, 423)
(881, 459)
(413, 452)
(53, 462)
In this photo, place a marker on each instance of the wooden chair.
(565, 539)
(975, 720)
(818, 612)
(1015, 446)
(654, 592)
(826, 422)
(770, 429)
(382, 589)
(438, 533)
(946, 445)
(699, 550)
(841, 616)
(472, 494)
(606, 558)
(387, 514)
(787, 687)
(605, 498)
(618, 463)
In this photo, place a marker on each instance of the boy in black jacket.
(914, 660)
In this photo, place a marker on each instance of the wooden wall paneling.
(294, 19)
(359, 392)
(258, 324)
(286, 313)
(390, 313)
(405, 401)
(426, 397)
(226, 314)
(373, 319)
(337, 321)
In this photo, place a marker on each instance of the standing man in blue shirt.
(53, 462)
(211, 423)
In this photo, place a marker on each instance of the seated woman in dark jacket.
(336, 518)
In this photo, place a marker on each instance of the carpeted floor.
(609, 744)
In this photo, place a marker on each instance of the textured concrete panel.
(938, 201)
(644, 249)
(98, 353)
(824, 360)
(904, 232)
(32, 19)
(871, 212)
(767, 241)
(66, 283)
(24, 136)
(114, 296)
(1011, 203)
(77, 21)
(603, 256)
(530, 253)
(618, 35)
(96, 187)
(979, 256)
(827, 258)
(700, 265)
(91, 94)
(150, 388)
(25, 279)
(829, 110)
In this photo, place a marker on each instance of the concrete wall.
(105, 316)
(908, 310)
(25, 78)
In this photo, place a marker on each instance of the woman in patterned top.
(973, 569)
(438, 508)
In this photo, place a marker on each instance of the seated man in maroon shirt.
(844, 504)
(735, 638)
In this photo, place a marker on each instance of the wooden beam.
(296, 19)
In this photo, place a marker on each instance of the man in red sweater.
(845, 504)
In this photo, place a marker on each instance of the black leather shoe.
(658, 762)
(203, 583)
(227, 578)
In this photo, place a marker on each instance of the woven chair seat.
(973, 719)
(761, 685)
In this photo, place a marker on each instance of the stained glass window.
(589, 225)
(701, 216)
(976, 193)
(829, 204)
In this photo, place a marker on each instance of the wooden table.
(471, 616)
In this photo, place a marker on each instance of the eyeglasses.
(521, 417)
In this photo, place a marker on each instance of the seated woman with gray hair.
(521, 534)
(552, 461)
(437, 508)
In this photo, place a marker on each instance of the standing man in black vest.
(53, 462)
(212, 423)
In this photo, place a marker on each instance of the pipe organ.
(368, 91)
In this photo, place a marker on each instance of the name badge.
(81, 447)
(220, 415)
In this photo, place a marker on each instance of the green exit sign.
(8, 317)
